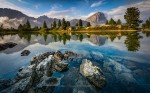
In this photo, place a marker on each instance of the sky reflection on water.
(123, 58)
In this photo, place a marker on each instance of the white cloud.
(118, 13)
(56, 7)
(84, 17)
(8, 23)
(61, 14)
(97, 4)
(55, 12)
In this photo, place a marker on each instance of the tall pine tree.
(59, 23)
(132, 16)
(68, 24)
(54, 24)
(112, 22)
(119, 22)
(28, 26)
(63, 24)
(44, 25)
(80, 23)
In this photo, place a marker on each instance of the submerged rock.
(58, 65)
(39, 58)
(24, 72)
(92, 73)
(19, 87)
(4, 84)
(121, 73)
(25, 53)
(37, 77)
(7, 45)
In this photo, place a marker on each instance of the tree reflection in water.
(132, 41)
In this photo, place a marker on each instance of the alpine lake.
(124, 58)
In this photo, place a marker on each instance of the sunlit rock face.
(97, 40)
(97, 19)
(93, 73)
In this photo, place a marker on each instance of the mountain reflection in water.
(123, 57)
(23, 40)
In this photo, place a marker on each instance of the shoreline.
(82, 31)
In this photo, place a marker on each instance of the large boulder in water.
(92, 73)
(25, 53)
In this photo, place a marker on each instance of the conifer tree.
(44, 25)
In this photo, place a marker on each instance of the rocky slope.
(12, 18)
(12, 13)
(97, 19)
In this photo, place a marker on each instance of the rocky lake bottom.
(75, 63)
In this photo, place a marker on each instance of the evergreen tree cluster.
(60, 24)
(79, 23)
(113, 22)
(25, 27)
(146, 25)
(55, 25)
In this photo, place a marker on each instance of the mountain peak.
(97, 19)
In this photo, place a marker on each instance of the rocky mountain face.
(12, 13)
(12, 18)
(97, 19)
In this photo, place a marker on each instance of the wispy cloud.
(21, 1)
(96, 4)
(37, 6)
(56, 7)
(87, 1)
(8, 23)
(84, 17)
(61, 14)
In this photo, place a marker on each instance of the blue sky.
(71, 9)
